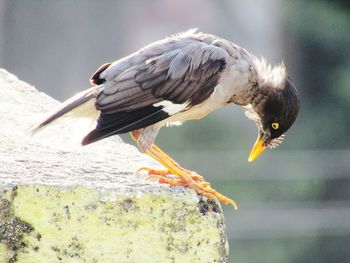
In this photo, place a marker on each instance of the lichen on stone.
(12, 230)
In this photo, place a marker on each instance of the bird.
(183, 77)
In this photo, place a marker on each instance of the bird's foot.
(175, 175)
(190, 180)
(163, 173)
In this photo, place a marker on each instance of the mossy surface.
(79, 224)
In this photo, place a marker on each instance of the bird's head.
(274, 107)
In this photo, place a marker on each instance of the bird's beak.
(258, 148)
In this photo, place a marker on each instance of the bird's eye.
(275, 125)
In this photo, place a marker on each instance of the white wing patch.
(170, 107)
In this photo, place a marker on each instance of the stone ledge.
(60, 202)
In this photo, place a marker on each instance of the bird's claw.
(150, 171)
(202, 187)
(196, 177)
(206, 190)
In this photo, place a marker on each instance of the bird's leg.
(184, 176)
(135, 135)
(194, 176)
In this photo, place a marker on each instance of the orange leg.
(196, 177)
(185, 177)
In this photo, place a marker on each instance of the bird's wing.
(179, 74)
(155, 83)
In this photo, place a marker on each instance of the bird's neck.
(257, 82)
(268, 82)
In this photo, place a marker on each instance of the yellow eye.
(275, 125)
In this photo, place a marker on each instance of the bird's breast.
(234, 82)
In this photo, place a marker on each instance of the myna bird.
(184, 77)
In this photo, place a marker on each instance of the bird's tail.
(82, 105)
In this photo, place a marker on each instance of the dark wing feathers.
(177, 69)
(205, 91)
(175, 75)
(122, 122)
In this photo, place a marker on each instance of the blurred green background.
(294, 202)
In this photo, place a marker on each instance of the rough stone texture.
(60, 202)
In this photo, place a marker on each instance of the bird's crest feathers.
(274, 75)
(186, 33)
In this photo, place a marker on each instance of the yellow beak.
(258, 149)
